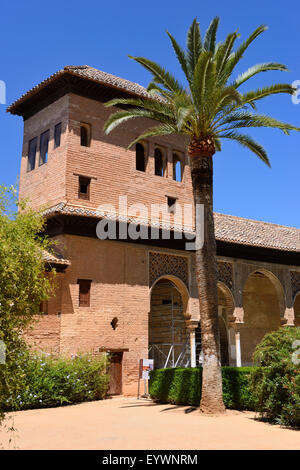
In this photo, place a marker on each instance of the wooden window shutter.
(84, 292)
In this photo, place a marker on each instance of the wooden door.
(115, 374)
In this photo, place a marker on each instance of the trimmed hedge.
(183, 386)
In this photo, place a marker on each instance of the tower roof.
(73, 78)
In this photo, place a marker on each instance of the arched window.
(139, 157)
(159, 166)
(177, 168)
(85, 135)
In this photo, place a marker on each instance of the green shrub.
(24, 284)
(183, 387)
(276, 384)
(52, 381)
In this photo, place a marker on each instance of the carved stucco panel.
(161, 264)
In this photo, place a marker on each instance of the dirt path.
(126, 423)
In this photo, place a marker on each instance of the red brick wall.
(107, 161)
(119, 274)
(113, 166)
(45, 185)
(44, 335)
(119, 271)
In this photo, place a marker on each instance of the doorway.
(115, 374)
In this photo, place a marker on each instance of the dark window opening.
(139, 157)
(85, 135)
(177, 168)
(166, 301)
(171, 203)
(44, 144)
(57, 135)
(84, 292)
(44, 307)
(159, 167)
(32, 146)
(84, 188)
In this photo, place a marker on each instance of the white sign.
(145, 366)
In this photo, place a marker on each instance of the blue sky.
(38, 38)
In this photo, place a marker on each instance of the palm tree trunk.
(206, 272)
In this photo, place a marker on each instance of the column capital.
(236, 326)
(288, 318)
(237, 315)
(192, 324)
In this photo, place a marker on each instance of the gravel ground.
(128, 423)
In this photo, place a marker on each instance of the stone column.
(169, 162)
(238, 284)
(150, 159)
(289, 317)
(192, 325)
(238, 349)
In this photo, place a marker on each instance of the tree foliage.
(24, 284)
(211, 104)
(276, 384)
(55, 381)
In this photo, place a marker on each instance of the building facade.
(124, 259)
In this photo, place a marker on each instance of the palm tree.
(209, 108)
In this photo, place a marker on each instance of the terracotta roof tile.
(228, 228)
(55, 259)
(255, 233)
(89, 73)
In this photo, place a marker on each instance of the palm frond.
(260, 93)
(122, 116)
(160, 75)
(237, 56)
(228, 96)
(246, 119)
(211, 35)
(180, 56)
(249, 143)
(155, 90)
(149, 104)
(199, 78)
(224, 52)
(183, 116)
(255, 69)
(164, 129)
(193, 45)
(218, 144)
